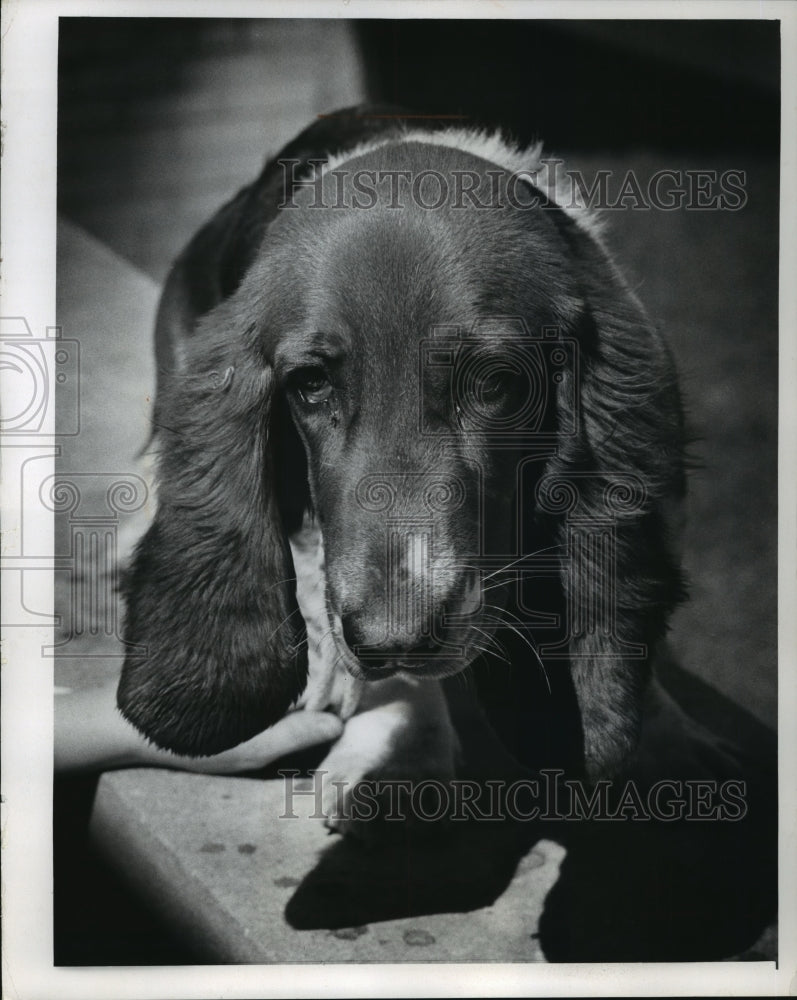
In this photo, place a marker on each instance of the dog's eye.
(312, 385)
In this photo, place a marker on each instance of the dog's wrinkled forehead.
(410, 236)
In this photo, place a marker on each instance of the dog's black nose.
(379, 653)
(372, 654)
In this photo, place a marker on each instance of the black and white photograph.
(396, 431)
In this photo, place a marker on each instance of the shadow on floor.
(97, 919)
(677, 863)
(412, 876)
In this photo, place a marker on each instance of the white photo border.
(27, 288)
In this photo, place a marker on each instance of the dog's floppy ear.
(210, 595)
(625, 480)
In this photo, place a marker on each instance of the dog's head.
(428, 354)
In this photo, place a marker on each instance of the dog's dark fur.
(288, 347)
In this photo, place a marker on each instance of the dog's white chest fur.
(398, 719)
(329, 684)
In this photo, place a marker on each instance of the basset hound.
(411, 424)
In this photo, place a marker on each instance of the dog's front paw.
(393, 763)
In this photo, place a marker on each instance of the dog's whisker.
(485, 651)
(498, 584)
(520, 559)
(284, 621)
(488, 636)
(504, 617)
(492, 646)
